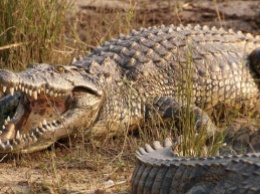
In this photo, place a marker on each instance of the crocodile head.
(53, 100)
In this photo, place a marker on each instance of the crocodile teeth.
(54, 122)
(3, 127)
(8, 119)
(18, 136)
(40, 124)
(42, 130)
(8, 143)
(14, 142)
(4, 88)
(23, 136)
(44, 122)
(34, 95)
(34, 138)
(12, 91)
(37, 131)
(29, 90)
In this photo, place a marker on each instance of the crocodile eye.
(59, 69)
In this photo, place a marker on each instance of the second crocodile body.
(159, 170)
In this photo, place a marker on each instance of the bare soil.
(77, 166)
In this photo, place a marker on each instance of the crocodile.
(160, 170)
(120, 85)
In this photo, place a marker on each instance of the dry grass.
(76, 169)
(33, 31)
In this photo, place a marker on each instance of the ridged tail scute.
(145, 171)
(159, 170)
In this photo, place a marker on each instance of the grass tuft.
(31, 30)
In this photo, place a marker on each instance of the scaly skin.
(161, 70)
(159, 170)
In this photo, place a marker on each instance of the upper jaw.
(52, 80)
(33, 82)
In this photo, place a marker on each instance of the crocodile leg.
(180, 112)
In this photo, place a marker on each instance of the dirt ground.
(77, 166)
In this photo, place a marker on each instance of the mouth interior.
(33, 114)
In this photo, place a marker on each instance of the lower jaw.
(27, 121)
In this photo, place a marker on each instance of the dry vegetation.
(54, 31)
